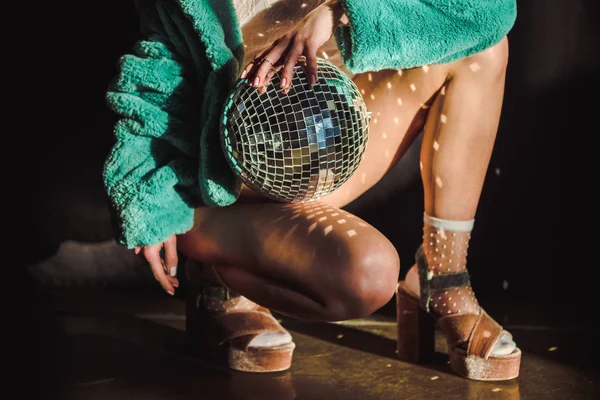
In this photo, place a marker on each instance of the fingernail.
(283, 82)
(171, 293)
(313, 79)
(256, 81)
(173, 271)
(175, 284)
(244, 73)
(286, 90)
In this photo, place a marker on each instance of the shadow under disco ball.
(300, 146)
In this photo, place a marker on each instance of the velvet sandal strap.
(235, 325)
(479, 331)
(430, 283)
(486, 333)
(218, 292)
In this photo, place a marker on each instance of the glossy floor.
(99, 344)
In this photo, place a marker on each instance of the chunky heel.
(416, 329)
(470, 337)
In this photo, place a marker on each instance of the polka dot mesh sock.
(445, 245)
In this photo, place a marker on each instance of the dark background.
(552, 86)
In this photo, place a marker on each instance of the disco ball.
(298, 146)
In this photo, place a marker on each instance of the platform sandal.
(471, 335)
(222, 327)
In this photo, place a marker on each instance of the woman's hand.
(164, 271)
(304, 39)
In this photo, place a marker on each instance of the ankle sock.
(445, 245)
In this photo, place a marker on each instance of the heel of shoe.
(416, 330)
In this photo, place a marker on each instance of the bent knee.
(368, 281)
(489, 62)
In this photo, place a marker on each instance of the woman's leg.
(457, 144)
(310, 261)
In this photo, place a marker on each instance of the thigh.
(306, 243)
(399, 103)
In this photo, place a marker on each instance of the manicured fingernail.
(313, 79)
(173, 271)
(256, 81)
(175, 284)
(283, 82)
(286, 90)
(171, 293)
(244, 73)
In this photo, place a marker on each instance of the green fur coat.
(170, 90)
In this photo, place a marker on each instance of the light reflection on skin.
(474, 67)
(438, 181)
(331, 218)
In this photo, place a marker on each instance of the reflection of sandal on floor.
(230, 330)
(478, 347)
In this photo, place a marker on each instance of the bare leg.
(459, 137)
(310, 261)
(460, 134)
